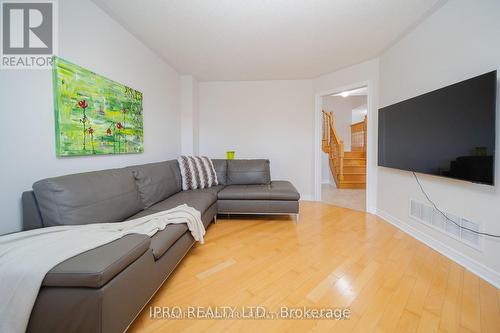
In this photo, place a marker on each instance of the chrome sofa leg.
(297, 218)
(215, 219)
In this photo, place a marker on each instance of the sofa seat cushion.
(203, 200)
(276, 190)
(198, 199)
(163, 240)
(98, 266)
(213, 190)
(258, 206)
(142, 213)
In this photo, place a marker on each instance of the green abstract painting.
(94, 115)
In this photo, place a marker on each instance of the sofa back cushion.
(220, 167)
(157, 181)
(91, 197)
(248, 172)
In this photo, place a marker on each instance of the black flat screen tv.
(448, 132)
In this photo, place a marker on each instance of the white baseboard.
(472, 265)
(306, 197)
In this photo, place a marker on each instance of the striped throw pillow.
(197, 172)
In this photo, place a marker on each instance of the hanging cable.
(446, 217)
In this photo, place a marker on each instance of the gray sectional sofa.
(102, 290)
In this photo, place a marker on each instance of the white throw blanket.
(26, 257)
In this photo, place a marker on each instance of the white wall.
(326, 176)
(359, 113)
(457, 42)
(87, 37)
(347, 77)
(261, 119)
(189, 115)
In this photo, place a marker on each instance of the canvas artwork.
(94, 115)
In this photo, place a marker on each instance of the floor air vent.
(432, 217)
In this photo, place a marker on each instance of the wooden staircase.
(348, 168)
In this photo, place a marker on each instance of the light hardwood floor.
(334, 257)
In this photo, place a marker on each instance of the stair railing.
(333, 146)
(325, 142)
(358, 136)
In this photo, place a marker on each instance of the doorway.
(344, 155)
(344, 117)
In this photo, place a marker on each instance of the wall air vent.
(430, 216)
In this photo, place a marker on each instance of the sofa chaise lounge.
(104, 289)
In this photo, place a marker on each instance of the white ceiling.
(267, 39)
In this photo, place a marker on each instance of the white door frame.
(371, 142)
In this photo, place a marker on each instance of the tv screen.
(448, 132)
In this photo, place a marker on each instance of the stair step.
(354, 161)
(352, 184)
(353, 181)
(354, 169)
(354, 154)
(351, 177)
